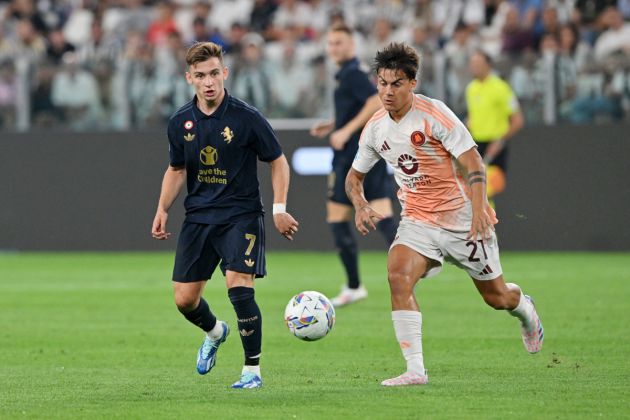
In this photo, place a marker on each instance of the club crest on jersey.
(189, 136)
(417, 138)
(227, 134)
(188, 125)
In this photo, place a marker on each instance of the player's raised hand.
(286, 225)
(158, 230)
(365, 219)
(339, 138)
(322, 129)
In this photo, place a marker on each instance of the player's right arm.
(364, 217)
(172, 184)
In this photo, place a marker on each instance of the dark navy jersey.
(220, 153)
(353, 90)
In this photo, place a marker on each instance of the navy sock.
(201, 316)
(387, 227)
(347, 246)
(249, 322)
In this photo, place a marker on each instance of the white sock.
(408, 328)
(253, 369)
(216, 332)
(524, 311)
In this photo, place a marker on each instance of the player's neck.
(208, 107)
(400, 114)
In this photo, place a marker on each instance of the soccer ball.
(309, 316)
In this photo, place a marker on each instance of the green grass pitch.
(98, 336)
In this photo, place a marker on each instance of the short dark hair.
(485, 56)
(398, 56)
(202, 51)
(341, 27)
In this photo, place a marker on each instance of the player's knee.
(342, 233)
(498, 301)
(401, 283)
(186, 303)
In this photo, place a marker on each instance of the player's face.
(395, 90)
(207, 78)
(339, 46)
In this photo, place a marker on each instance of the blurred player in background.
(215, 141)
(355, 102)
(445, 213)
(494, 116)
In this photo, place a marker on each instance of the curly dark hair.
(398, 56)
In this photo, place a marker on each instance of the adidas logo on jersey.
(249, 263)
(385, 147)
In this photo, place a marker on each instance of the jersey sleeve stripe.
(435, 112)
(441, 118)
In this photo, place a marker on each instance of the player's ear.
(188, 78)
(414, 83)
(226, 73)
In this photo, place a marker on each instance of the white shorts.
(480, 258)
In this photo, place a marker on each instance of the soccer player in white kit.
(445, 211)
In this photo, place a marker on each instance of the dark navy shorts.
(500, 160)
(377, 183)
(238, 246)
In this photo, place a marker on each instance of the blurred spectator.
(57, 46)
(616, 38)
(25, 10)
(291, 15)
(555, 75)
(571, 46)
(163, 25)
(587, 14)
(448, 14)
(135, 93)
(124, 17)
(381, 36)
(550, 21)
(291, 85)
(225, 13)
(98, 48)
(529, 15)
(491, 32)
(29, 44)
(426, 47)
(43, 111)
(77, 29)
(76, 93)
(261, 17)
(252, 75)
(516, 38)
(458, 52)
(8, 95)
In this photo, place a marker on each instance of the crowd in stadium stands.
(118, 64)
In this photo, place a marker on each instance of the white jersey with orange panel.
(422, 149)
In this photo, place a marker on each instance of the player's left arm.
(280, 174)
(482, 219)
(340, 137)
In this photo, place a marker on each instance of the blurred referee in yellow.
(494, 116)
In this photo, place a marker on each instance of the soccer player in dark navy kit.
(355, 103)
(215, 142)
